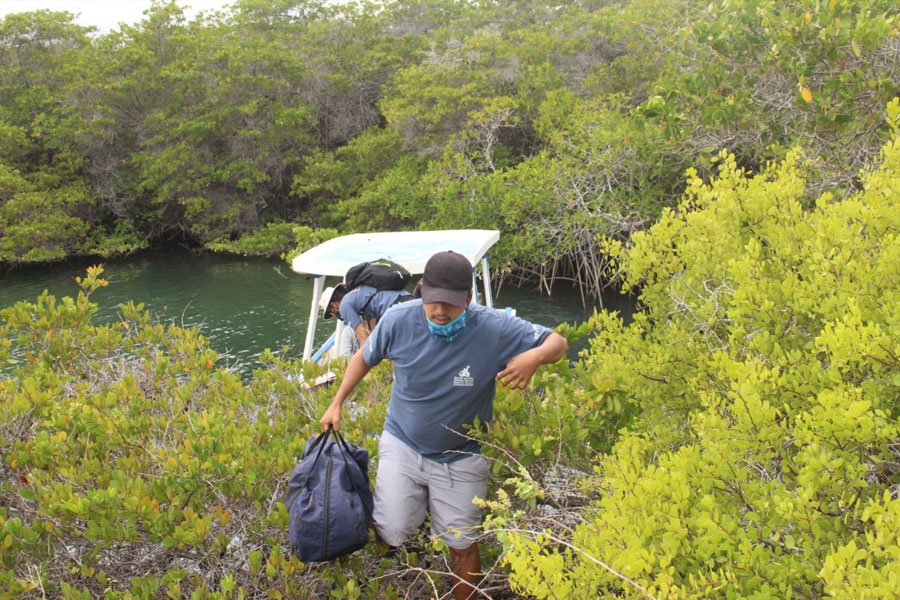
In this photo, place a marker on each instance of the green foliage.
(738, 439)
(340, 184)
(307, 237)
(272, 240)
(394, 201)
(799, 72)
(40, 226)
(744, 425)
(764, 364)
(275, 239)
(123, 240)
(559, 124)
(133, 465)
(45, 206)
(553, 205)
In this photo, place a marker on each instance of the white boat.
(412, 249)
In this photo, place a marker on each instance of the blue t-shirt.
(439, 387)
(353, 302)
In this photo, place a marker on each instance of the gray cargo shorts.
(407, 485)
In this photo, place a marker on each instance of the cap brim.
(451, 297)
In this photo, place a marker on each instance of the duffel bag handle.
(320, 442)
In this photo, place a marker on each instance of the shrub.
(132, 466)
(764, 362)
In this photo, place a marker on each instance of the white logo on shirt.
(464, 379)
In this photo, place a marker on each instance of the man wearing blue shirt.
(361, 307)
(448, 355)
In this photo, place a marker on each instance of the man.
(448, 355)
(361, 307)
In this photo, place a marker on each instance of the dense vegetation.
(765, 459)
(557, 123)
(739, 439)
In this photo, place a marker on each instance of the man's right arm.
(356, 370)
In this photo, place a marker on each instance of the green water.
(243, 306)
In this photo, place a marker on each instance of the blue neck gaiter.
(449, 331)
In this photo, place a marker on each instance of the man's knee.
(392, 536)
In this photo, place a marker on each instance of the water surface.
(242, 305)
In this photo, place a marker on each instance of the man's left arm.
(364, 330)
(350, 309)
(520, 368)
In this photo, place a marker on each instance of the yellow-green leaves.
(765, 367)
(869, 569)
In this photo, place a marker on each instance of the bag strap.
(342, 445)
(345, 449)
(362, 311)
(321, 438)
(320, 442)
(338, 438)
(403, 297)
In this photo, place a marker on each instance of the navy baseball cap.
(447, 278)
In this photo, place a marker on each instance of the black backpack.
(382, 274)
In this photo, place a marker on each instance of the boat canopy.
(412, 249)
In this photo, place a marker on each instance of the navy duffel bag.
(329, 499)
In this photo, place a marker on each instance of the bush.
(764, 362)
(131, 464)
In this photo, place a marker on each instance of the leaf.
(806, 94)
